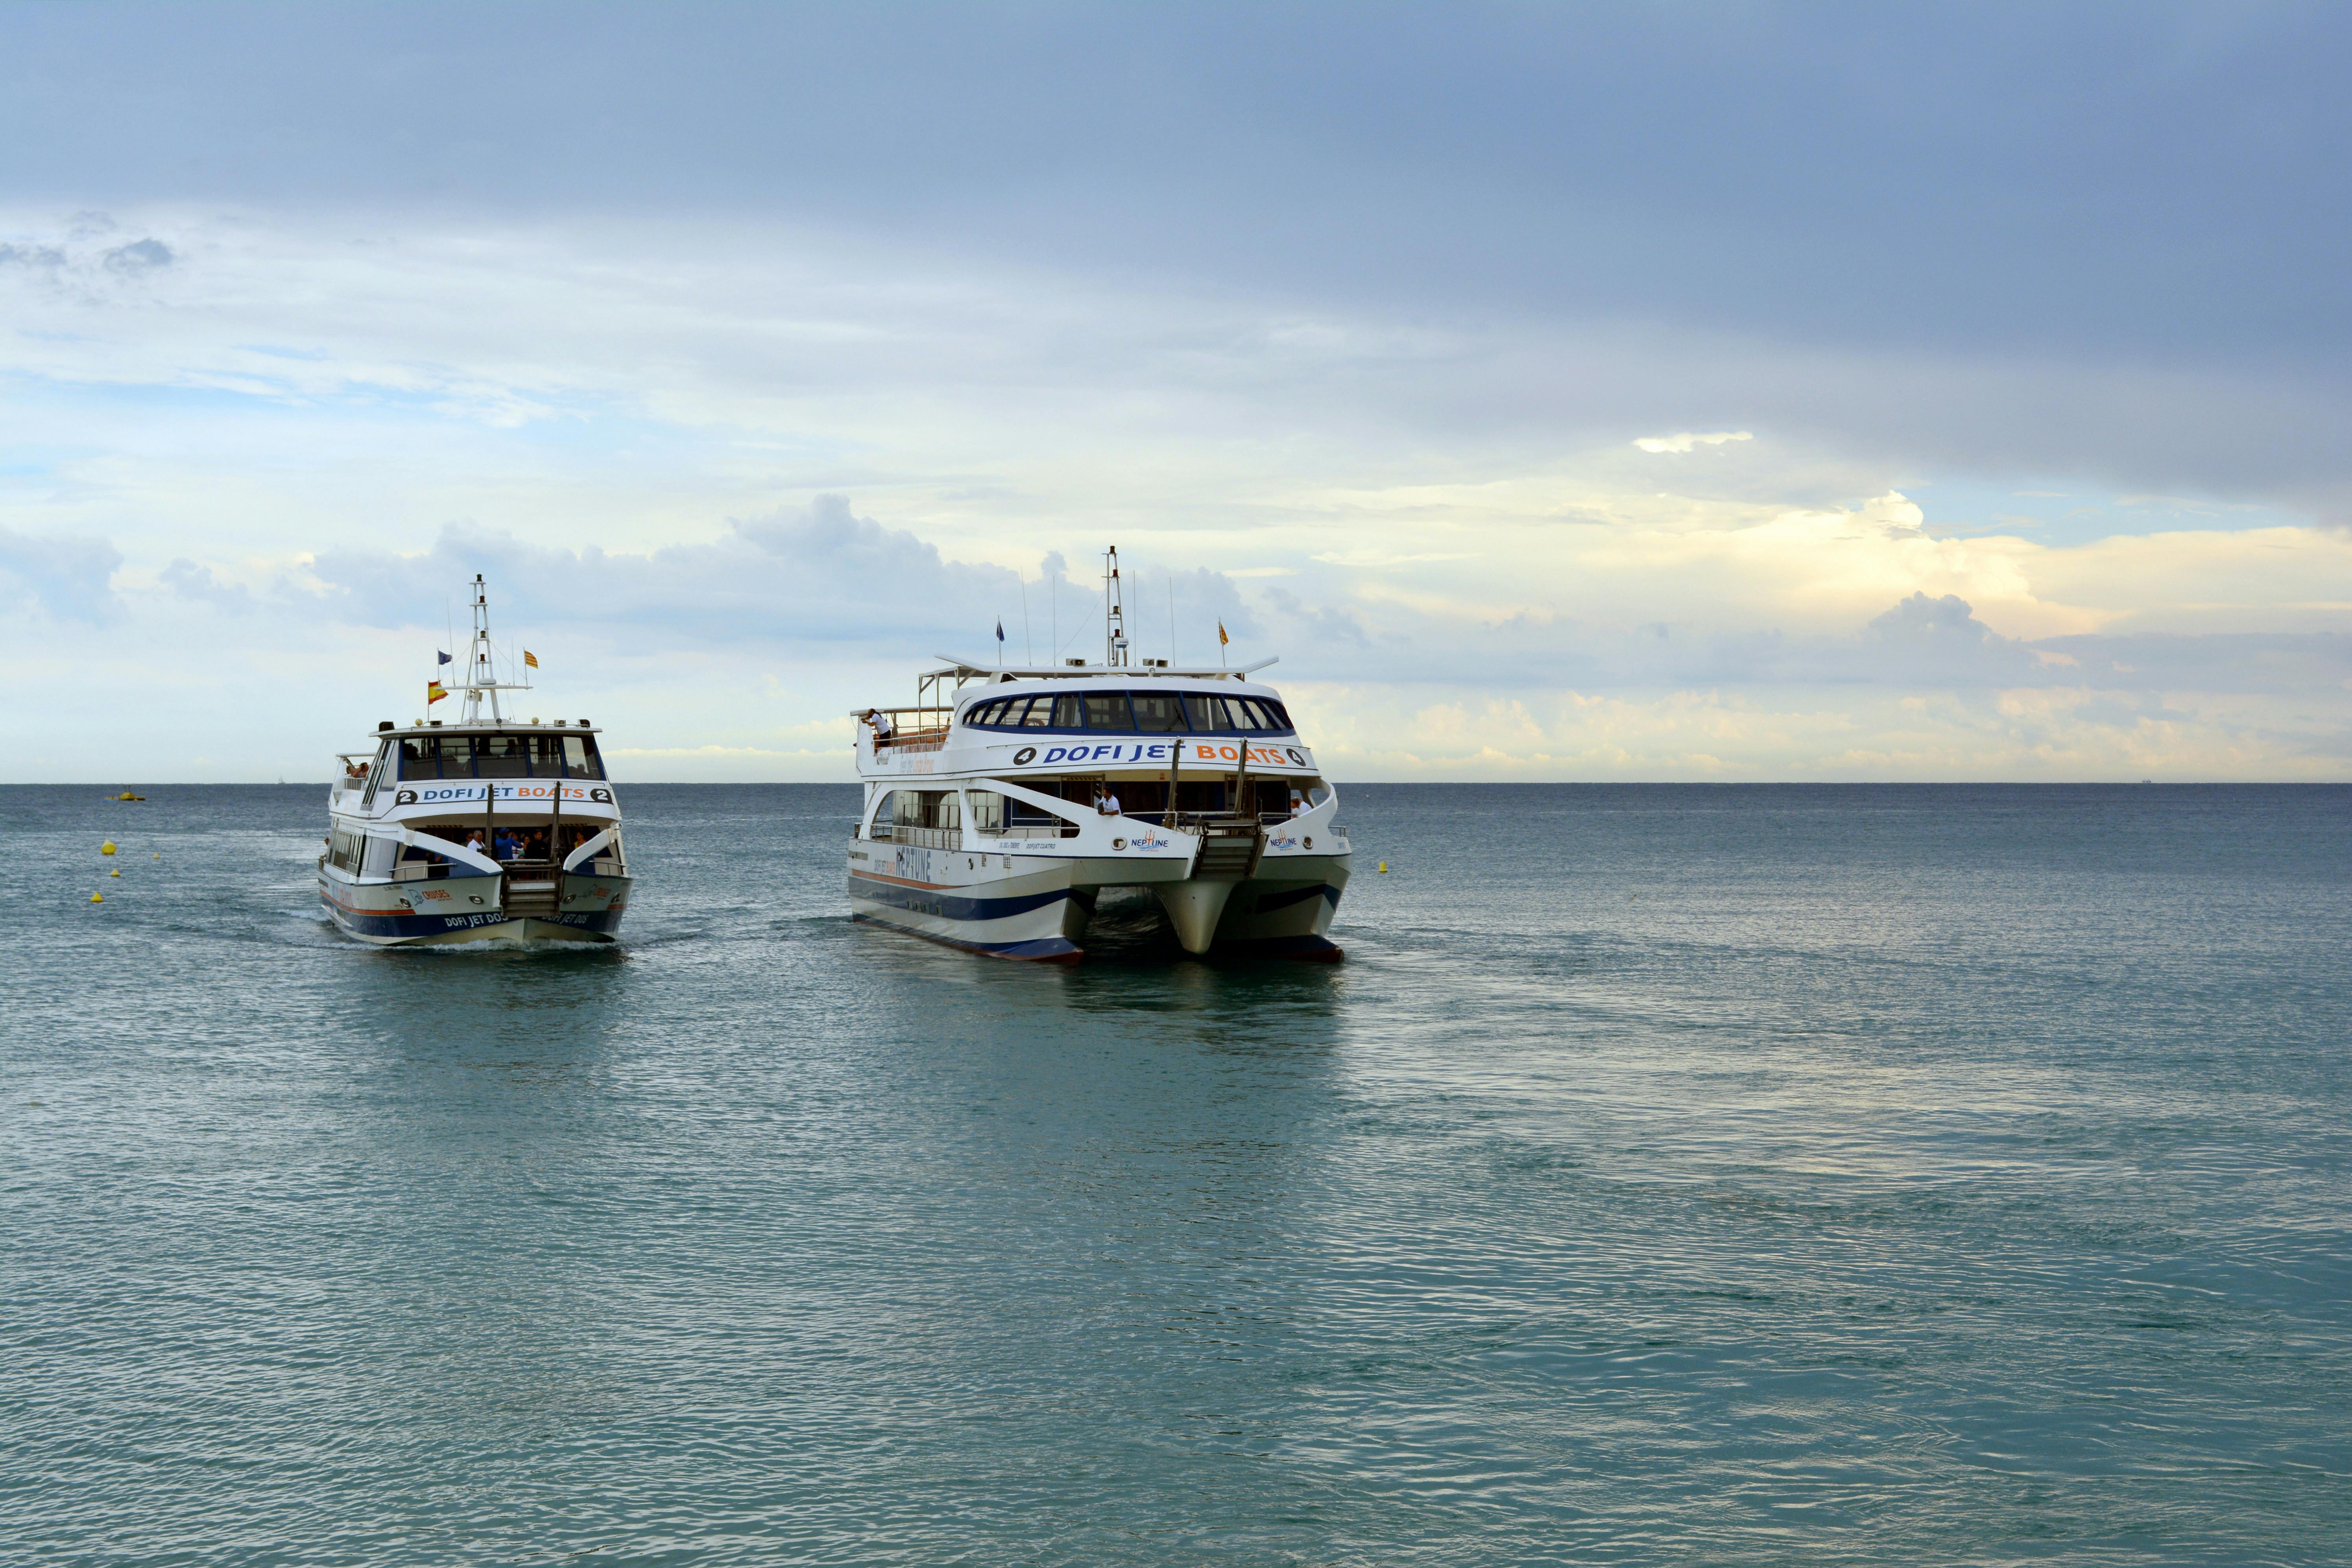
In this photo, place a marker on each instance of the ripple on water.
(1725, 1175)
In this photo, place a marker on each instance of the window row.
(499, 757)
(1152, 713)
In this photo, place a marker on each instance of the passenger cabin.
(1015, 706)
(411, 766)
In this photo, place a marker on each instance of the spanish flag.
(434, 693)
(531, 658)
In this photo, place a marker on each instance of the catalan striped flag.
(531, 658)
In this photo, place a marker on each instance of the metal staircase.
(532, 892)
(1229, 850)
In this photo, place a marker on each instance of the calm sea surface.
(1735, 1176)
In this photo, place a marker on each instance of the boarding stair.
(531, 891)
(1229, 849)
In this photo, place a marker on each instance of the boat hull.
(1030, 914)
(385, 915)
(1038, 910)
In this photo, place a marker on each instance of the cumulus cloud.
(1689, 439)
(138, 256)
(198, 582)
(64, 578)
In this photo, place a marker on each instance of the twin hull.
(1031, 906)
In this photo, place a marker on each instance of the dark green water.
(1669, 1175)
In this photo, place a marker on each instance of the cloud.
(1938, 641)
(1688, 439)
(138, 256)
(196, 582)
(68, 579)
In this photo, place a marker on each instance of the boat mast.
(1114, 613)
(481, 673)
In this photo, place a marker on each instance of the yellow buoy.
(107, 848)
(97, 898)
(1384, 865)
(159, 854)
(116, 872)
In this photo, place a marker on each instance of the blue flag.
(1000, 634)
(445, 658)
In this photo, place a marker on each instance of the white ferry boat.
(479, 828)
(1001, 806)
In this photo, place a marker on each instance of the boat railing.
(920, 837)
(1049, 828)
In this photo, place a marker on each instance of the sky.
(1684, 391)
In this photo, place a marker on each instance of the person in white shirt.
(881, 722)
(1107, 803)
(1298, 803)
(474, 841)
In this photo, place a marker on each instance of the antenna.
(481, 664)
(1172, 618)
(481, 672)
(1114, 613)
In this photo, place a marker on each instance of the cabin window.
(947, 810)
(987, 811)
(1107, 710)
(442, 756)
(377, 775)
(1156, 711)
(501, 756)
(906, 809)
(580, 757)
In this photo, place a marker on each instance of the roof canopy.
(963, 671)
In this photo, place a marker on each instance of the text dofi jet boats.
(988, 820)
(483, 828)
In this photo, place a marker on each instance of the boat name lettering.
(1159, 751)
(506, 791)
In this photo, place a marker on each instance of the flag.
(445, 658)
(1221, 639)
(531, 658)
(434, 693)
(1000, 634)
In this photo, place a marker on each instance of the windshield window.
(1158, 711)
(1150, 711)
(580, 757)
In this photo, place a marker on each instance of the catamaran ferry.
(1001, 806)
(480, 828)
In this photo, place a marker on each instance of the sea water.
(1725, 1175)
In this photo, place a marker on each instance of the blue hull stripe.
(1045, 949)
(949, 906)
(601, 922)
(1297, 895)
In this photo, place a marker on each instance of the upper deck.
(434, 766)
(1089, 717)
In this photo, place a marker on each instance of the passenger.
(474, 841)
(881, 722)
(1106, 802)
(1298, 803)
(507, 846)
